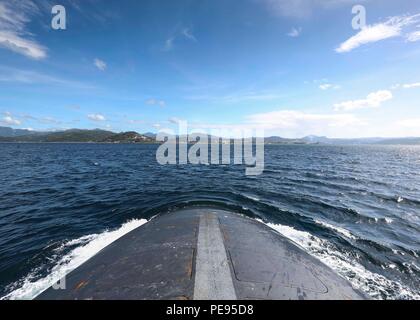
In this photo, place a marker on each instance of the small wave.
(86, 247)
(400, 199)
(340, 230)
(375, 285)
(251, 197)
(386, 220)
(411, 267)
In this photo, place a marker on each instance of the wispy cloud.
(93, 11)
(169, 43)
(17, 118)
(134, 121)
(9, 119)
(301, 8)
(240, 96)
(185, 33)
(14, 17)
(41, 120)
(325, 86)
(405, 86)
(96, 117)
(413, 36)
(155, 102)
(49, 120)
(33, 77)
(100, 64)
(295, 32)
(411, 85)
(393, 27)
(328, 86)
(16, 43)
(174, 120)
(373, 100)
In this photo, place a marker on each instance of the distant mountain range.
(102, 136)
(10, 132)
(73, 135)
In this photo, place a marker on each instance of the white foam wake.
(373, 284)
(87, 247)
(340, 230)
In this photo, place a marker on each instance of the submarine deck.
(203, 254)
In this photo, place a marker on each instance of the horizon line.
(155, 133)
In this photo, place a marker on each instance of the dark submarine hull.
(203, 254)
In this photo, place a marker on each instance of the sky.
(293, 68)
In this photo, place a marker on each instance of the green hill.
(77, 135)
(128, 137)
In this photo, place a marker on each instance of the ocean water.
(356, 208)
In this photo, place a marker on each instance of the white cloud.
(9, 120)
(295, 32)
(18, 44)
(14, 16)
(405, 86)
(413, 36)
(327, 86)
(373, 100)
(393, 27)
(100, 64)
(369, 34)
(96, 117)
(155, 102)
(411, 85)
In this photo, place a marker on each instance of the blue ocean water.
(357, 208)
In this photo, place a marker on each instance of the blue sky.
(293, 68)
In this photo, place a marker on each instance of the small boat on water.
(203, 253)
